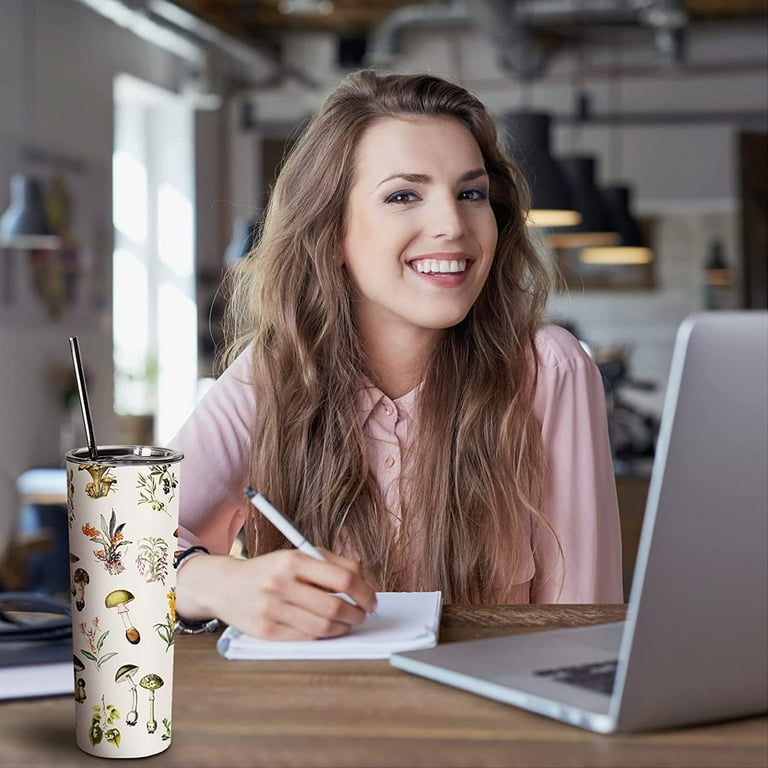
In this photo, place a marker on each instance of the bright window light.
(154, 309)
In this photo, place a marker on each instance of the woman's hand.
(284, 595)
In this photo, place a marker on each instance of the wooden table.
(366, 713)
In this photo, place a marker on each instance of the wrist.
(202, 581)
(194, 581)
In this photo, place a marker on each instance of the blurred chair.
(17, 549)
(35, 533)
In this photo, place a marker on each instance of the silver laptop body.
(694, 646)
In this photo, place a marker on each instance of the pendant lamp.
(595, 227)
(25, 223)
(632, 248)
(528, 140)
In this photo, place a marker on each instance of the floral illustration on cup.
(101, 480)
(158, 488)
(111, 540)
(78, 666)
(96, 638)
(152, 560)
(103, 724)
(79, 580)
(119, 598)
(165, 629)
(125, 675)
(167, 725)
(151, 682)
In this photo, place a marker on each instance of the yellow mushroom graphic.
(101, 481)
(151, 682)
(119, 598)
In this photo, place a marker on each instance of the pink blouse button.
(389, 462)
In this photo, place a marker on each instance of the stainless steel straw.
(83, 392)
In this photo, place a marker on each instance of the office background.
(681, 119)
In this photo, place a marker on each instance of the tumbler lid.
(126, 454)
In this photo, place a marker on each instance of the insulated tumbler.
(123, 513)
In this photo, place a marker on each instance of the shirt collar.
(369, 396)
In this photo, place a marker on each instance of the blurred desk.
(361, 714)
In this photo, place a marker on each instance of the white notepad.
(404, 621)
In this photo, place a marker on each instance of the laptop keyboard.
(597, 677)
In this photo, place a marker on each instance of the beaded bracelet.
(181, 556)
(189, 626)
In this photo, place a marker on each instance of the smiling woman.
(393, 388)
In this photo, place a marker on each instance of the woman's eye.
(473, 194)
(403, 196)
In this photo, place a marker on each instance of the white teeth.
(440, 266)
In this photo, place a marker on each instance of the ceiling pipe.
(517, 50)
(387, 39)
(187, 36)
(511, 26)
(246, 55)
(134, 19)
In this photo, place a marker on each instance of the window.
(154, 311)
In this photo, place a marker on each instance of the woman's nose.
(446, 220)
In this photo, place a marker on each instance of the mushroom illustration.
(126, 673)
(79, 682)
(101, 480)
(119, 598)
(79, 579)
(151, 682)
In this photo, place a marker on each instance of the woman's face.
(420, 234)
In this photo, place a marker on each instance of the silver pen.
(281, 522)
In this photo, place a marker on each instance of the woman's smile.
(442, 269)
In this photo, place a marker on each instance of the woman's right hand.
(283, 595)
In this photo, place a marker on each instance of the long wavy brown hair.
(473, 474)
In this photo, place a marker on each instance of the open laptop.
(694, 646)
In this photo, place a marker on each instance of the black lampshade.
(25, 223)
(632, 248)
(595, 227)
(552, 203)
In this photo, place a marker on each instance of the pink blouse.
(580, 501)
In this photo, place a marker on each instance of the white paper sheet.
(404, 621)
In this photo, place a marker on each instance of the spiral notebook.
(404, 621)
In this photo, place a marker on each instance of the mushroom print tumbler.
(123, 511)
